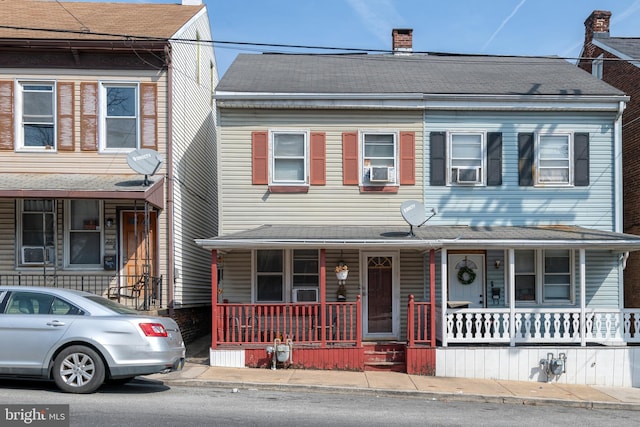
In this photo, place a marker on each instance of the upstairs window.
(119, 116)
(289, 157)
(36, 107)
(554, 159)
(379, 158)
(466, 159)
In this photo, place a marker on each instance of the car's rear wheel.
(78, 369)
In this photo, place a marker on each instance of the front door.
(466, 280)
(379, 305)
(138, 249)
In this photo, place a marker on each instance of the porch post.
(583, 299)
(512, 296)
(323, 297)
(214, 298)
(432, 295)
(443, 303)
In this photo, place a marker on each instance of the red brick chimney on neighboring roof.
(597, 25)
(402, 40)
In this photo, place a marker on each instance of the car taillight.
(153, 329)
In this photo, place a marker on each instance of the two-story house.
(455, 215)
(615, 61)
(107, 146)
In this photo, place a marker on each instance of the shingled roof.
(404, 74)
(628, 46)
(91, 21)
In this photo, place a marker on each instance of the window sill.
(288, 189)
(379, 188)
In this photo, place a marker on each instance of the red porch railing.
(419, 323)
(300, 322)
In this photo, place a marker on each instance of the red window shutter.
(318, 158)
(6, 115)
(407, 158)
(350, 158)
(149, 116)
(260, 158)
(89, 116)
(66, 122)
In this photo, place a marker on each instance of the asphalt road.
(149, 403)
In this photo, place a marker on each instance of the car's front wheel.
(78, 369)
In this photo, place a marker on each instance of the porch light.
(498, 262)
(109, 222)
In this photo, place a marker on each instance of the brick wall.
(194, 322)
(626, 77)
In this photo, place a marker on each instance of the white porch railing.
(540, 325)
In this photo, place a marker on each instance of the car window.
(111, 305)
(38, 303)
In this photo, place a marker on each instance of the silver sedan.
(81, 340)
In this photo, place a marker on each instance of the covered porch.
(330, 334)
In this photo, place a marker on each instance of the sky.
(493, 27)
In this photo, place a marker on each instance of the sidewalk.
(197, 372)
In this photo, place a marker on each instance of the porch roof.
(82, 186)
(424, 238)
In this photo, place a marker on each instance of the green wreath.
(466, 275)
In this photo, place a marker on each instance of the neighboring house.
(615, 60)
(83, 85)
(514, 164)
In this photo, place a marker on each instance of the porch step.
(385, 357)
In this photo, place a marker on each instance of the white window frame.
(541, 286)
(453, 169)
(273, 157)
(20, 122)
(538, 160)
(99, 229)
(103, 117)
(50, 251)
(288, 289)
(366, 161)
(597, 66)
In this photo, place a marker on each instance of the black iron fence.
(139, 292)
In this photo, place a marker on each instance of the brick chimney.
(402, 41)
(596, 25)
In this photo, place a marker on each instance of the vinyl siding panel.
(194, 171)
(511, 204)
(247, 206)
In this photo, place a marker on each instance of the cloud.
(628, 12)
(380, 16)
(506, 20)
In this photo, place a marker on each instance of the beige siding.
(194, 167)
(246, 206)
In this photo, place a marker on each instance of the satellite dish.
(144, 161)
(414, 213)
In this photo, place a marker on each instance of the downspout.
(170, 207)
(618, 219)
(617, 156)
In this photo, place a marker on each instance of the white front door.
(466, 279)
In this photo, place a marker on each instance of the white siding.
(194, 171)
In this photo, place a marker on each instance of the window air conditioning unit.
(467, 175)
(37, 255)
(380, 174)
(305, 295)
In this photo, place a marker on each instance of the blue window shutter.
(494, 158)
(581, 159)
(438, 159)
(525, 159)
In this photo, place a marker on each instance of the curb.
(435, 396)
